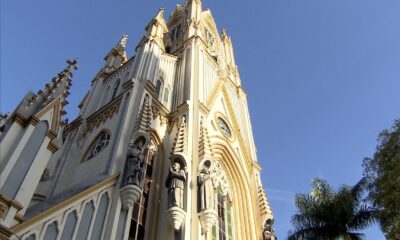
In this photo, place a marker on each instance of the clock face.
(223, 126)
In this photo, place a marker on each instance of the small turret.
(156, 29)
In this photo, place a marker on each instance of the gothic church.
(162, 148)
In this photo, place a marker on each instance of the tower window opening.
(158, 88)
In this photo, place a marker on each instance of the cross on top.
(72, 64)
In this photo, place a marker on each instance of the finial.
(224, 32)
(72, 64)
(123, 41)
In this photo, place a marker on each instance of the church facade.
(162, 147)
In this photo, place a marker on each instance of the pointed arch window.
(115, 88)
(139, 211)
(223, 230)
(158, 87)
(98, 145)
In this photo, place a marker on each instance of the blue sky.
(322, 76)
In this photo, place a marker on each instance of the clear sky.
(322, 76)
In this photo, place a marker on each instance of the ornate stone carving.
(208, 218)
(129, 195)
(268, 231)
(176, 185)
(176, 216)
(135, 164)
(208, 214)
(106, 112)
(144, 119)
(206, 187)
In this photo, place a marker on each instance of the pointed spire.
(144, 119)
(158, 21)
(205, 150)
(60, 85)
(180, 146)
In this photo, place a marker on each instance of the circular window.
(223, 126)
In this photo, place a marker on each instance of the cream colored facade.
(182, 95)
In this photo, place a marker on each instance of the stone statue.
(206, 189)
(175, 184)
(135, 163)
(123, 41)
(267, 230)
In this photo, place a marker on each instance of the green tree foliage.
(325, 214)
(383, 171)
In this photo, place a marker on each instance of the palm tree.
(325, 214)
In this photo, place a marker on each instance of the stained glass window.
(223, 229)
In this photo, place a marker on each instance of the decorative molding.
(106, 112)
(18, 118)
(107, 182)
(208, 218)
(129, 195)
(237, 131)
(10, 202)
(176, 217)
(52, 147)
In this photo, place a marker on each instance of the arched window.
(224, 227)
(166, 95)
(51, 232)
(223, 230)
(100, 143)
(158, 87)
(115, 88)
(139, 211)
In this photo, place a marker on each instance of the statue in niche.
(206, 187)
(267, 230)
(135, 163)
(176, 185)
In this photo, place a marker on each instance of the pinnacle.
(144, 119)
(180, 146)
(204, 143)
